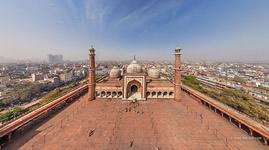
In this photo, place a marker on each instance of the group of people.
(129, 109)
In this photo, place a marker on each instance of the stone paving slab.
(165, 123)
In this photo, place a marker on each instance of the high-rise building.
(55, 58)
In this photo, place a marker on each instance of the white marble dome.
(134, 67)
(115, 72)
(154, 72)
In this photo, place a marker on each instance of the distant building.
(212, 83)
(66, 77)
(55, 58)
(2, 87)
(36, 77)
(258, 95)
(5, 68)
(84, 72)
(163, 70)
(56, 81)
(31, 68)
(265, 84)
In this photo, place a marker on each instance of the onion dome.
(115, 72)
(134, 67)
(154, 72)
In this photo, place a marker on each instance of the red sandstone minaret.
(91, 74)
(177, 75)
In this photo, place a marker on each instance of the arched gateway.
(134, 90)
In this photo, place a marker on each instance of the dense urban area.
(243, 86)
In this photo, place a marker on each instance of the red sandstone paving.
(164, 123)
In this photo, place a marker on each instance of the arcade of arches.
(149, 94)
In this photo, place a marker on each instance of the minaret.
(177, 91)
(91, 74)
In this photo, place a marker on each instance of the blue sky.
(236, 30)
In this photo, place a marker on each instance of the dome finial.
(92, 49)
(134, 67)
(178, 48)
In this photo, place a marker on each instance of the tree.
(192, 82)
(4, 117)
(74, 84)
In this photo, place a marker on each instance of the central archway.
(133, 88)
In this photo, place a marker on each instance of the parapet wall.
(236, 118)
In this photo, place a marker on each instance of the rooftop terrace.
(164, 123)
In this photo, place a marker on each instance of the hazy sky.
(235, 30)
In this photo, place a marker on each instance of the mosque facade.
(134, 83)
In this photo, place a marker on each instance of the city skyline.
(206, 30)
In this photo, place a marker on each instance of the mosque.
(134, 84)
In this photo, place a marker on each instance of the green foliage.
(52, 95)
(192, 82)
(23, 93)
(4, 117)
(240, 101)
(236, 99)
(85, 82)
(74, 84)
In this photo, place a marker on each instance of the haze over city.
(206, 30)
(134, 74)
